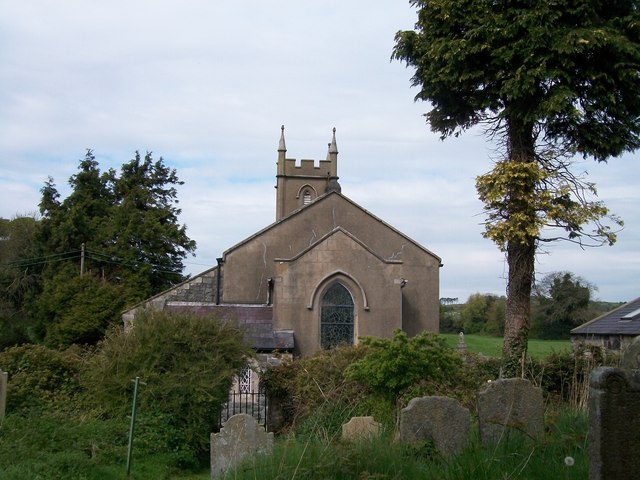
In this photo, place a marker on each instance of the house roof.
(624, 320)
(255, 320)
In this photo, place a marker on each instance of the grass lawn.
(492, 346)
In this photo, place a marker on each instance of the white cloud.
(207, 85)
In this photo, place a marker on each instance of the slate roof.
(255, 320)
(624, 320)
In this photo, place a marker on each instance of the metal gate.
(252, 403)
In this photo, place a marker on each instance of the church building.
(326, 272)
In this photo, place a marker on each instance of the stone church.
(326, 272)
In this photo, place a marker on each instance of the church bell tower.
(299, 185)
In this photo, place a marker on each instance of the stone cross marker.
(441, 420)
(241, 436)
(461, 345)
(360, 428)
(614, 424)
(511, 404)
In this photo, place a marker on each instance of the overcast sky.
(207, 84)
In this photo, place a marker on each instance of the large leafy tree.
(119, 229)
(483, 313)
(549, 81)
(562, 302)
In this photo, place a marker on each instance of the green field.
(492, 346)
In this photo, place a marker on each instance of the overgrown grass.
(57, 446)
(53, 447)
(383, 458)
(61, 440)
(492, 346)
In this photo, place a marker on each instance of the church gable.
(326, 239)
(374, 285)
(251, 260)
(336, 255)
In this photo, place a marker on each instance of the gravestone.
(360, 428)
(631, 356)
(240, 436)
(511, 404)
(614, 424)
(441, 420)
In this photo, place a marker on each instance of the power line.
(91, 254)
(28, 262)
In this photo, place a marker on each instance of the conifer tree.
(122, 230)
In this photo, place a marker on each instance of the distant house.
(614, 330)
(326, 272)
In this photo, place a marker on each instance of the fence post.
(4, 380)
(133, 423)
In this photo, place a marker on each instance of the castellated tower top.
(299, 184)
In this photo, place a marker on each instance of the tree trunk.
(520, 260)
(520, 256)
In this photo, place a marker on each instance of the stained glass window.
(336, 322)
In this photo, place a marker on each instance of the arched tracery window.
(336, 317)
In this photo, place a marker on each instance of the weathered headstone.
(240, 436)
(360, 428)
(441, 420)
(631, 356)
(511, 404)
(614, 424)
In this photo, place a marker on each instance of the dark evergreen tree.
(115, 240)
(83, 215)
(19, 280)
(146, 237)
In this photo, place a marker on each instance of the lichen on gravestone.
(510, 405)
(358, 428)
(441, 420)
(240, 437)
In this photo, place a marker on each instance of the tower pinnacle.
(282, 146)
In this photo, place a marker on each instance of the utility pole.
(82, 259)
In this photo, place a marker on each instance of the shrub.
(319, 393)
(54, 445)
(391, 367)
(314, 394)
(40, 377)
(76, 309)
(186, 365)
(564, 376)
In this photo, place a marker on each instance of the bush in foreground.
(186, 365)
(377, 377)
(41, 377)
